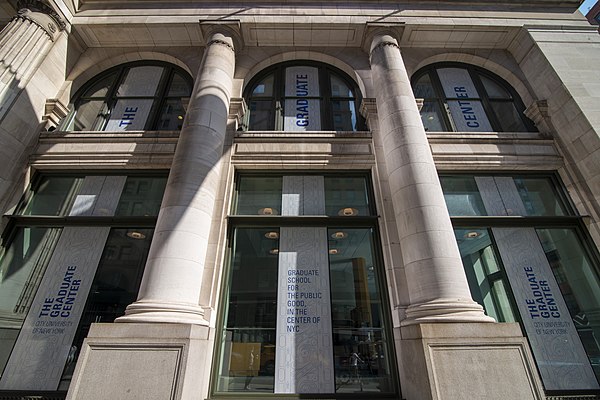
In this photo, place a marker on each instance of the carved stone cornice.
(54, 112)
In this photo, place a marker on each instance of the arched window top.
(303, 96)
(465, 98)
(134, 96)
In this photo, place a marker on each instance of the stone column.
(171, 285)
(24, 43)
(436, 282)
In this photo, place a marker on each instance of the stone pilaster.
(171, 285)
(24, 43)
(436, 282)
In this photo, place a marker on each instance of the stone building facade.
(312, 199)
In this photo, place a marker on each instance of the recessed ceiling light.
(274, 251)
(272, 235)
(267, 211)
(348, 212)
(333, 251)
(136, 235)
(471, 235)
(339, 235)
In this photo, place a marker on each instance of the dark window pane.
(89, 116)
(539, 197)
(508, 116)
(462, 196)
(423, 88)
(262, 115)
(21, 269)
(171, 116)
(578, 282)
(339, 88)
(482, 268)
(344, 115)
(141, 196)
(494, 90)
(179, 87)
(259, 196)
(264, 87)
(100, 88)
(360, 347)
(53, 195)
(248, 348)
(115, 284)
(431, 115)
(346, 196)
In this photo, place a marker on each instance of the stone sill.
(285, 136)
(461, 137)
(106, 135)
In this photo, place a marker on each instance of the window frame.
(110, 99)
(277, 221)
(474, 73)
(325, 71)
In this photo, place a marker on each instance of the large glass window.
(269, 298)
(303, 96)
(527, 259)
(73, 254)
(464, 98)
(135, 96)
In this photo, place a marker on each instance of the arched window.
(133, 96)
(464, 98)
(303, 96)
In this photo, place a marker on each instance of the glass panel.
(539, 197)
(261, 115)
(360, 346)
(141, 196)
(493, 89)
(53, 195)
(346, 196)
(114, 287)
(22, 267)
(259, 195)
(264, 87)
(344, 115)
(248, 343)
(508, 116)
(423, 88)
(431, 115)
(141, 81)
(179, 86)
(339, 88)
(89, 116)
(100, 88)
(462, 196)
(484, 274)
(578, 282)
(171, 116)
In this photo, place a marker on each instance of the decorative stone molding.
(373, 29)
(420, 103)
(54, 112)
(538, 113)
(41, 7)
(237, 110)
(368, 108)
(230, 28)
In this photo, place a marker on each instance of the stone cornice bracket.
(29, 8)
(54, 112)
(373, 29)
(538, 113)
(237, 110)
(368, 108)
(231, 28)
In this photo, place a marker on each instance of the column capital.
(226, 33)
(375, 31)
(42, 15)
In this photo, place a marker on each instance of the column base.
(155, 312)
(456, 361)
(445, 311)
(145, 361)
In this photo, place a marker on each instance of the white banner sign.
(468, 115)
(129, 115)
(302, 113)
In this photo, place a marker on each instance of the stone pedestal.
(144, 361)
(454, 361)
